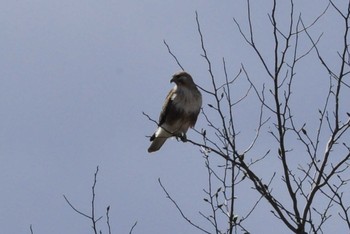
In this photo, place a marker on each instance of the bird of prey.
(179, 112)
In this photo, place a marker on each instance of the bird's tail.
(156, 144)
(158, 139)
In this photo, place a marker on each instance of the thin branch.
(93, 203)
(92, 216)
(132, 228)
(149, 118)
(210, 149)
(108, 224)
(75, 209)
(172, 54)
(179, 209)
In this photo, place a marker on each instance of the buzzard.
(179, 112)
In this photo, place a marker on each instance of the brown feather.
(156, 144)
(167, 106)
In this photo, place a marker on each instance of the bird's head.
(182, 78)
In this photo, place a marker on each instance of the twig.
(108, 224)
(132, 228)
(75, 209)
(149, 118)
(92, 216)
(172, 54)
(180, 210)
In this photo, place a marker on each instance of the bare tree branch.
(179, 209)
(171, 53)
(132, 228)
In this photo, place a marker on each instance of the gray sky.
(75, 77)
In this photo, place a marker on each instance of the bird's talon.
(183, 138)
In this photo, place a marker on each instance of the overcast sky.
(75, 77)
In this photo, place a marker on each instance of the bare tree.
(308, 189)
(92, 216)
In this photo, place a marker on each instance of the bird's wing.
(193, 118)
(169, 111)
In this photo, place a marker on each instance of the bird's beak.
(172, 80)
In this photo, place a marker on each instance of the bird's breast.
(188, 101)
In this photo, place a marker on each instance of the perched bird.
(179, 112)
